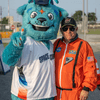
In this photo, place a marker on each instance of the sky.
(71, 6)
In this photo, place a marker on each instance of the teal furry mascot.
(30, 51)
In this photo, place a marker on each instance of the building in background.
(6, 30)
(17, 26)
(10, 20)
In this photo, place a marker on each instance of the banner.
(5, 68)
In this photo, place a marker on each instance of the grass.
(90, 31)
(94, 31)
(5, 44)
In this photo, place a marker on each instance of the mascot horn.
(31, 51)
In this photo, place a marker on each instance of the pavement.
(5, 80)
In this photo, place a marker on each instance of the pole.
(1, 17)
(95, 14)
(8, 15)
(83, 20)
(0, 13)
(8, 8)
(87, 15)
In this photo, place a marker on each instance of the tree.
(4, 21)
(92, 17)
(78, 15)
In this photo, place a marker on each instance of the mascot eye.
(33, 14)
(50, 15)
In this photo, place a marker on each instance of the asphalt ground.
(5, 80)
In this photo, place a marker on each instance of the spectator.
(75, 64)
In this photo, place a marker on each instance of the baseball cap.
(68, 21)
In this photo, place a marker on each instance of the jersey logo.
(72, 52)
(68, 59)
(22, 79)
(46, 57)
(58, 49)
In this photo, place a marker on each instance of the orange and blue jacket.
(70, 75)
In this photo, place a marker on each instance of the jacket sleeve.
(89, 68)
(98, 79)
(98, 73)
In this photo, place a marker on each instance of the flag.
(90, 58)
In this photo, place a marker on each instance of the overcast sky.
(70, 5)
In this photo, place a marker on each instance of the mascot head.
(41, 19)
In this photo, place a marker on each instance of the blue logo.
(58, 49)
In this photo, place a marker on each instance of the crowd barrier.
(6, 34)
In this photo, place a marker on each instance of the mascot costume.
(31, 51)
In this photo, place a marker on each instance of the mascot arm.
(13, 50)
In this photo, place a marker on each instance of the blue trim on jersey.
(22, 81)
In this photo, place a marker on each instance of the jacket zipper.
(62, 64)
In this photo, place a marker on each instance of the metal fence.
(5, 27)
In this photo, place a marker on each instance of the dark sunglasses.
(66, 28)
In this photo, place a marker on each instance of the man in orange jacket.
(75, 64)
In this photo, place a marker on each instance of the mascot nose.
(41, 19)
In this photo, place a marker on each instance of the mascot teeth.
(40, 27)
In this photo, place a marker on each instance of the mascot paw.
(18, 39)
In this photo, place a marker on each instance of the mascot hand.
(18, 39)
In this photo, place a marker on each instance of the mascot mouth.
(39, 27)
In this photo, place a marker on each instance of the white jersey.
(34, 75)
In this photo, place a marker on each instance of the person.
(75, 65)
